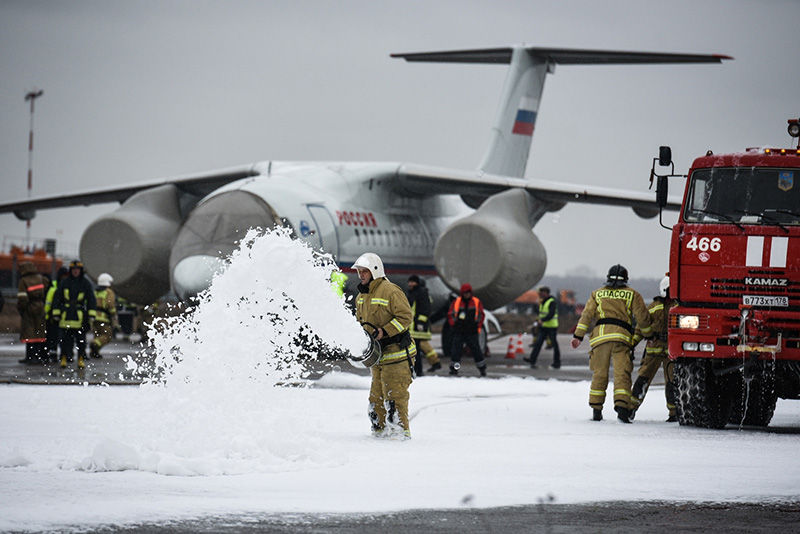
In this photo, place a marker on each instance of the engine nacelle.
(645, 213)
(133, 243)
(494, 250)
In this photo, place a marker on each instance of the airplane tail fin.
(512, 132)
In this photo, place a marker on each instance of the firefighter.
(338, 283)
(383, 310)
(420, 301)
(547, 328)
(656, 354)
(613, 309)
(51, 323)
(105, 320)
(74, 306)
(466, 317)
(31, 292)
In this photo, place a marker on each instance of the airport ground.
(603, 517)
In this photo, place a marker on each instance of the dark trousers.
(471, 340)
(36, 352)
(72, 337)
(543, 334)
(53, 338)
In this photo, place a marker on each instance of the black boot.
(435, 367)
(623, 414)
(482, 370)
(597, 415)
(640, 388)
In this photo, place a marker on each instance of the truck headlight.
(689, 321)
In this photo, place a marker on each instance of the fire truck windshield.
(745, 195)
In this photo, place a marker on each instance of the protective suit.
(383, 310)
(31, 292)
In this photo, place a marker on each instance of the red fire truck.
(734, 334)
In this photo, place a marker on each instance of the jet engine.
(132, 244)
(493, 249)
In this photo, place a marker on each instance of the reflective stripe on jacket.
(622, 304)
(466, 317)
(420, 302)
(659, 312)
(106, 305)
(385, 306)
(73, 301)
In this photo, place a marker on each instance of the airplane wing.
(199, 184)
(419, 180)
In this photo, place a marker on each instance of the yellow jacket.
(106, 305)
(659, 313)
(385, 306)
(613, 311)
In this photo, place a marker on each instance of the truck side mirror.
(664, 156)
(661, 190)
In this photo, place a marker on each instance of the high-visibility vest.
(544, 310)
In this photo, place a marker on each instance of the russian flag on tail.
(523, 124)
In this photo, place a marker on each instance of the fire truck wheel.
(756, 402)
(703, 399)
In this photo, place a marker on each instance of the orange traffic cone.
(510, 354)
(520, 347)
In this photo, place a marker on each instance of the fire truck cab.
(734, 331)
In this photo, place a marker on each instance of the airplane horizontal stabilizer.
(562, 56)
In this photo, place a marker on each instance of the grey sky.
(139, 90)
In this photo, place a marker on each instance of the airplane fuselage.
(341, 209)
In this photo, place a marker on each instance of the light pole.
(30, 96)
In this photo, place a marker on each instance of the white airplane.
(450, 226)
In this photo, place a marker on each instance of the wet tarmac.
(114, 369)
(602, 518)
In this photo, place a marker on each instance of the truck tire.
(703, 399)
(755, 403)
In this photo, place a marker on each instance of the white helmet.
(371, 261)
(663, 286)
(105, 279)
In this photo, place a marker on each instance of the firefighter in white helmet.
(383, 310)
(656, 354)
(105, 319)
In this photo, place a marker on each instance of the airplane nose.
(193, 274)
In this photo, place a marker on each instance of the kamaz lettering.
(778, 282)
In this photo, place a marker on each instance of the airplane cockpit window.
(755, 195)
